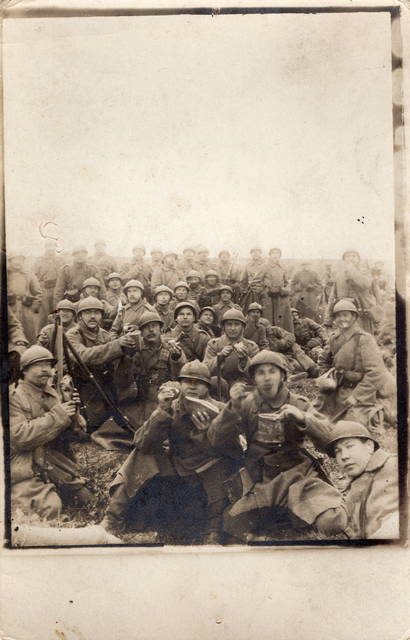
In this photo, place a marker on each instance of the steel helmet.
(133, 283)
(255, 306)
(345, 305)
(210, 273)
(35, 354)
(91, 282)
(197, 370)
(268, 357)
(150, 316)
(182, 283)
(189, 305)
(225, 287)
(348, 429)
(79, 249)
(193, 274)
(86, 304)
(113, 275)
(66, 304)
(162, 288)
(234, 314)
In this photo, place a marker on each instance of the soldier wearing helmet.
(17, 344)
(162, 304)
(202, 260)
(225, 301)
(186, 333)
(105, 263)
(228, 272)
(210, 293)
(277, 471)
(168, 273)
(255, 326)
(275, 301)
(306, 289)
(43, 473)
(66, 312)
(114, 290)
(196, 288)
(131, 313)
(24, 295)
(208, 321)
(182, 422)
(372, 492)
(104, 356)
(138, 269)
(46, 269)
(310, 335)
(187, 262)
(71, 277)
(229, 355)
(355, 383)
(92, 288)
(353, 280)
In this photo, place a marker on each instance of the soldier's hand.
(290, 412)
(226, 351)
(127, 340)
(165, 398)
(201, 419)
(43, 340)
(69, 407)
(237, 394)
(241, 350)
(174, 349)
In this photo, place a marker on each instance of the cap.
(197, 370)
(149, 316)
(91, 282)
(345, 305)
(233, 314)
(268, 357)
(348, 429)
(35, 354)
(162, 288)
(89, 303)
(188, 305)
(134, 283)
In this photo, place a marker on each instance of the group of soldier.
(188, 364)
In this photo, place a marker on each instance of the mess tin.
(270, 429)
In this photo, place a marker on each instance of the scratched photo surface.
(200, 217)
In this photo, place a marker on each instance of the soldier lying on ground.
(372, 492)
(174, 442)
(43, 472)
(278, 470)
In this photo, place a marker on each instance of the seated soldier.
(134, 309)
(372, 494)
(43, 472)
(255, 326)
(278, 471)
(101, 354)
(225, 302)
(310, 335)
(186, 334)
(284, 342)
(162, 305)
(173, 442)
(229, 355)
(66, 312)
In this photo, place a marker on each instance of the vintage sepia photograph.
(204, 235)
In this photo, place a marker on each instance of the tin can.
(270, 429)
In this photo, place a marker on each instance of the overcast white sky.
(179, 130)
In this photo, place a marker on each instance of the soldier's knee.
(331, 522)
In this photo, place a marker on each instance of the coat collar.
(377, 460)
(36, 392)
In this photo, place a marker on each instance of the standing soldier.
(278, 470)
(276, 304)
(156, 258)
(66, 311)
(46, 269)
(210, 293)
(104, 263)
(228, 357)
(24, 295)
(43, 472)
(310, 335)
(92, 288)
(138, 269)
(356, 384)
(114, 290)
(202, 262)
(353, 280)
(306, 290)
(168, 273)
(225, 302)
(71, 277)
(187, 262)
(162, 305)
(253, 278)
(134, 309)
(194, 280)
(229, 272)
(255, 329)
(186, 334)
(17, 344)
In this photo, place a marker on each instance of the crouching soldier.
(43, 472)
(174, 442)
(372, 493)
(278, 472)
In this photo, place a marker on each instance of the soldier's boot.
(114, 520)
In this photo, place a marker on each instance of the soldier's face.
(115, 284)
(211, 281)
(274, 255)
(233, 329)
(181, 293)
(66, 316)
(92, 291)
(295, 316)
(138, 253)
(224, 256)
(193, 387)
(91, 318)
(151, 331)
(188, 254)
(353, 454)
(268, 379)
(193, 282)
(226, 296)
(344, 320)
(256, 254)
(207, 317)
(80, 257)
(254, 315)
(39, 373)
(203, 256)
(169, 261)
(156, 256)
(163, 298)
(352, 258)
(134, 294)
(185, 318)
